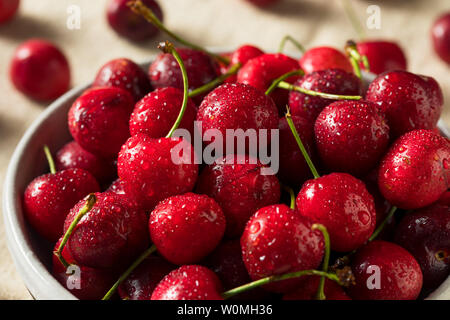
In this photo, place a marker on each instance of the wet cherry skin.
(383, 55)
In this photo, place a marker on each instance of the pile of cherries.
(140, 226)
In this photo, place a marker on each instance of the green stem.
(383, 224)
(125, 275)
(211, 85)
(288, 86)
(263, 281)
(300, 145)
(277, 81)
(351, 15)
(356, 58)
(139, 8)
(326, 259)
(50, 161)
(291, 195)
(91, 199)
(291, 39)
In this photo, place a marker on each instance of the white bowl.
(32, 254)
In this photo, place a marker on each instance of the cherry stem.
(168, 47)
(288, 86)
(211, 85)
(291, 195)
(326, 259)
(383, 224)
(91, 199)
(356, 23)
(263, 281)
(275, 84)
(297, 44)
(50, 161)
(139, 8)
(125, 275)
(300, 145)
(356, 58)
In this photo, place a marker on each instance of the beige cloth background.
(220, 23)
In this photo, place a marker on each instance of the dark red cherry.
(383, 55)
(351, 136)
(118, 188)
(110, 235)
(415, 172)
(139, 285)
(426, 235)
(189, 282)
(125, 74)
(129, 24)
(156, 113)
(398, 273)
(83, 282)
(261, 71)
(308, 290)
(186, 228)
(321, 58)
(343, 205)
(278, 240)
(98, 120)
(237, 184)
(155, 169)
(72, 156)
(409, 101)
(48, 199)
(8, 9)
(40, 70)
(440, 34)
(335, 81)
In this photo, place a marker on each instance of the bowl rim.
(33, 272)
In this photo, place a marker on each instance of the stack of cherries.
(370, 169)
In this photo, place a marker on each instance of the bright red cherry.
(383, 55)
(321, 58)
(398, 273)
(415, 172)
(98, 120)
(125, 74)
(8, 9)
(189, 282)
(129, 24)
(156, 113)
(278, 240)
(343, 205)
(409, 101)
(40, 70)
(186, 228)
(440, 34)
(241, 55)
(239, 187)
(308, 290)
(48, 199)
(351, 136)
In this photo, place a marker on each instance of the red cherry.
(415, 172)
(399, 273)
(8, 9)
(354, 130)
(86, 283)
(241, 55)
(321, 58)
(146, 166)
(156, 113)
(186, 228)
(40, 70)
(189, 282)
(409, 101)
(382, 55)
(111, 234)
(129, 24)
(343, 205)
(125, 74)
(48, 199)
(98, 120)
(239, 187)
(440, 34)
(261, 71)
(139, 285)
(277, 240)
(263, 3)
(308, 290)
(335, 81)
(72, 155)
